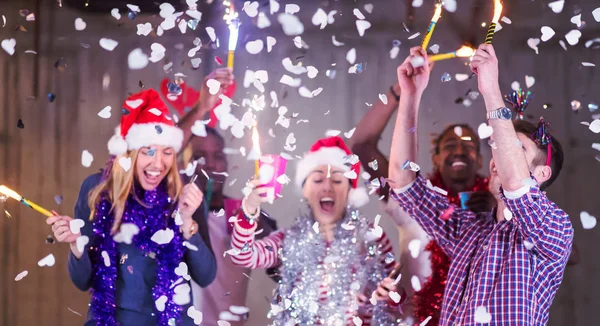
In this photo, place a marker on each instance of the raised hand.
(61, 229)
(207, 100)
(256, 197)
(190, 199)
(485, 65)
(414, 80)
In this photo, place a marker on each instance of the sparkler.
(231, 18)
(256, 147)
(436, 16)
(492, 29)
(14, 195)
(463, 52)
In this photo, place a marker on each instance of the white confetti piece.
(163, 236)
(573, 37)
(108, 44)
(105, 113)
(293, 82)
(80, 25)
(291, 24)
(547, 33)
(75, 225)
(450, 5)
(362, 26)
(596, 14)
(587, 221)
(417, 3)
(8, 45)
(125, 163)
(86, 158)
(414, 247)
(394, 52)
(588, 64)
(263, 21)
(416, 283)
(508, 215)
(368, 8)
(158, 52)
(515, 86)
(533, 44)
(144, 29)
(482, 315)
(195, 315)
(336, 42)
(320, 18)
(81, 242)
(211, 33)
(213, 86)
(254, 47)
(160, 303)
(349, 134)
(414, 36)
(557, 6)
(576, 20)
(383, 98)
(251, 8)
(21, 276)
(506, 20)
(417, 61)
(595, 126)
(48, 261)
(395, 296)
(461, 77)
(292, 8)
(126, 233)
(529, 81)
(105, 258)
(137, 59)
(271, 41)
(484, 131)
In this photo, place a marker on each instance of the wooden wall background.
(43, 159)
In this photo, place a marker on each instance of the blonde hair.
(119, 186)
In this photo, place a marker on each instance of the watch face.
(505, 114)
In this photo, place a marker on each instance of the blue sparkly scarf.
(149, 217)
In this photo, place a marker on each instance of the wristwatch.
(503, 113)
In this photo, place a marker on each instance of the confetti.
(533, 43)
(373, 165)
(21, 275)
(414, 247)
(446, 77)
(125, 163)
(47, 261)
(547, 33)
(80, 25)
(596, 14)
(484, 131)
(573, 37)
(414, 36)
(196, 315)
(508, 215)
(362, 26)
(8, 45)
(575, 105)
(416, 283)
(126, 233)
(482, 315)
(291, 24)
(254, 47)
(51, 97)
(450, 5)
(593, 107)
(588, 64)
(86, 159)
(108, 44)
(557, 6)
(529, 81)
(115, 13)
(461, 77)
(595, 126)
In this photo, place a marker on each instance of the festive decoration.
(153, 216)
(519, 100)
(463, 52)
(542, 137)
(332, 151)
(428, 301)
(146, 123)
(305, 253)
(492, 29)
(429, 32)
(4, 190)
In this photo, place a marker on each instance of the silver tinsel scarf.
(350, 265)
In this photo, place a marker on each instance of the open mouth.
(327, 204)
(459, 164)
(152, 177)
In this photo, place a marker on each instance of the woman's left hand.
(190, 199)
(384, 288)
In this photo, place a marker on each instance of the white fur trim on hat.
(358, 197)
(116, 144)
(142, 135)
(333, 156)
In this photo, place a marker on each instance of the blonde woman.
(139, 244)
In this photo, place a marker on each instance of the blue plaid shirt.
(512, 268)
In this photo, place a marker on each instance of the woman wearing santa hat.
(133, 241)
(331, 255)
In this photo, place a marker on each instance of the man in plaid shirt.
(506, 264)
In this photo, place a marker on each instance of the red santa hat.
(145, 122)
(332, 151)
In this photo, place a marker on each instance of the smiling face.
(326, 189)
(458, 158)
(536, 161)
(208, 151)
(153, 164)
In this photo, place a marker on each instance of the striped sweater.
(251, 253)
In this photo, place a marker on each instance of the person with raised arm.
(506, 264)
(332, 257)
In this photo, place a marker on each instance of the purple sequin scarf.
(154, 215)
